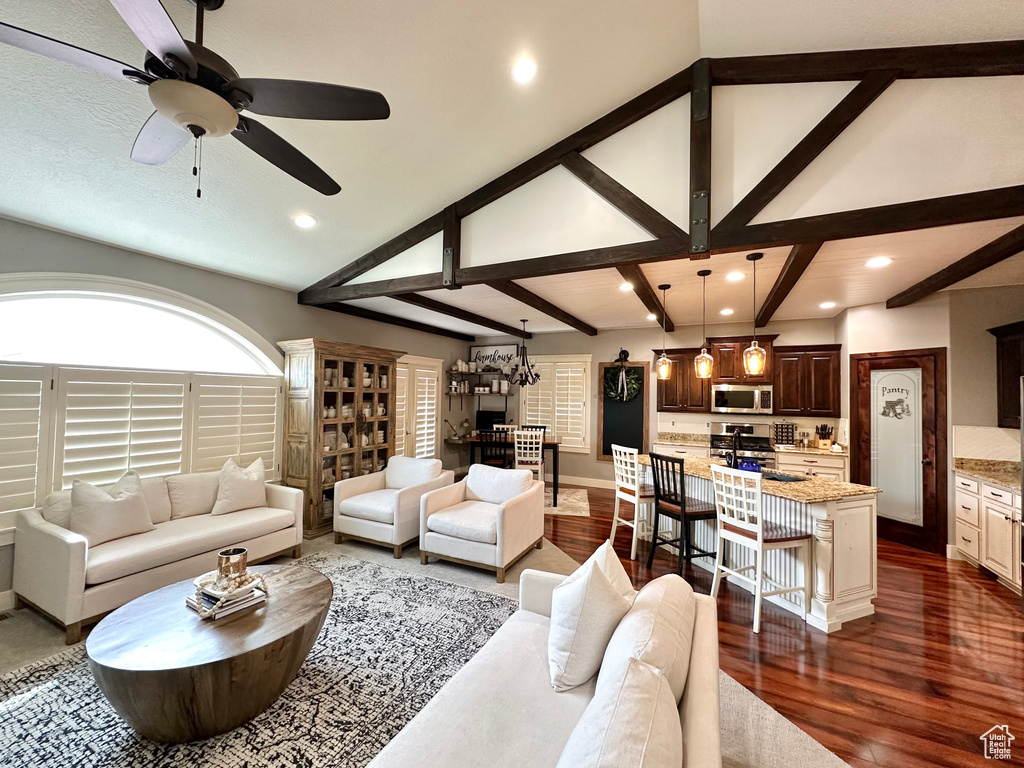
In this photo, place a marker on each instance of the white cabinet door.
(997, 550)
(829, 474)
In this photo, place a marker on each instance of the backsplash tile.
(990, 443)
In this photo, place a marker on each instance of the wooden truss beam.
(642, 288)
(380, 317)
(458, 313)
(998, 250)
(700, 160)
(451, 247)
(531, 299)
(799, 259)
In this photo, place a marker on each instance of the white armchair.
(384, 508)
(491, 519)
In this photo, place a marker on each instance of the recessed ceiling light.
(304, 221)
(652, 317)
(626, 287)
(725, 311)
(827, 304)
(734, 277)
(878, 261)
(524, 70)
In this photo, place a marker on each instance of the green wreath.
(634, 383)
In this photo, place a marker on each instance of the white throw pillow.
(57, 505)
(193, 494)
(585, 609)
(405, 471)
(609, 562)
(103, 515)
(658, 630)
(632, 722)
(496, 485)
(240, 488)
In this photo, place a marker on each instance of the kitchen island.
(841, 518)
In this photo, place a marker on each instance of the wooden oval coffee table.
(175, 677)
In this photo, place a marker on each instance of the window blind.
(401, 406)
(426, 412)
(24, 430)
(559, 401)
(234, 417)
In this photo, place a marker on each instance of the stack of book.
(231, 605)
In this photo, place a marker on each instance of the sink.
(782, 478)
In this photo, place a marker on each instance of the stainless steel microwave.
(741, 398)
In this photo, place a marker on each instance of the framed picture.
(494, 356)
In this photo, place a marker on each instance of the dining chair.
(506, 427)
(529, 451)
(671, 501)
(740, 521)
(631, 486)
(543, 430)
(494, 445)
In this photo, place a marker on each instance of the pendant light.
(754, 357)
(522, 373)
(664, 365)
(704, 363)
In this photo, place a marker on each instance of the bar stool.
(530, 451)
(738, 503)
(629, 486)
(671, 501)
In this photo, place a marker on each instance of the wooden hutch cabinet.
(806, 380)
(683, 392)
(728, 354)
(339, 420)
(1009, 369)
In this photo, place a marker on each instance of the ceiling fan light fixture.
(188, 104)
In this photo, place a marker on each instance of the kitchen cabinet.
(683, 392)
(997, 541)
(728, 354)
(806, 380)
(668, 449)
(988, 520)
(823, 465)
(1009, 369)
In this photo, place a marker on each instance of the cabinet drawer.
(966, 484)
(997, 494)
(967, 508)
(681, 450)
(968, 539)
(811, 461)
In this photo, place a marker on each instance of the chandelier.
(754, 357)
(664, 365)
(704, 363)
(522, 373)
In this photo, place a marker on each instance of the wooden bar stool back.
(631, 486)
(671, 501)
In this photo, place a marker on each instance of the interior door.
(898, 429)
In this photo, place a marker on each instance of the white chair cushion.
(181, 538)
(193, 494)
(471, 520)
(105, 514)
(632, 722)
(658, 630)
(496, 485)
(585, 609)
(378, 506)
(405, 471)
(56, 507)
(240, 488)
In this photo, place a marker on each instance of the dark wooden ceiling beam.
(530, 299)
(984, 257)
(642, 288)
(930, 61)
(899, 217)
(425, 302)
(700, 160)
(799, 259)
(812, 145)
(322, 296)
(380, 317)
(451, 247)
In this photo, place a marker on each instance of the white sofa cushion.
(378, 506)
(471, 520)
(193, 494)
(181, 538)
(240, 488)
(632, 722)
(56, 507)
(496, 485)
(585, 609)
(405, 471)
(658, 630)
(104, 514)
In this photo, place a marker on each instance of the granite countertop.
(1002, 473)
(813, 490)
(692, 439)
(789, 449)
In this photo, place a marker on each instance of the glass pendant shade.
(754, 359)
(703, 364)
(664, 366)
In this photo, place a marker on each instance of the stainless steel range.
(755, 442)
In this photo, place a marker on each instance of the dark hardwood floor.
(915, 685)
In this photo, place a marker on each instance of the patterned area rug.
(571, 501)
(391, 640)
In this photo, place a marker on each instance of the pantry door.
(898, 442)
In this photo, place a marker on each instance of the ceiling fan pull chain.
(199, 168)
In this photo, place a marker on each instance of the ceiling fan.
(196, 93)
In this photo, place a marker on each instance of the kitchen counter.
(691, 439)
(1002, 473)
(813, 490)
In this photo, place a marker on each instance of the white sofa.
(490, 520)
(57, 573)
(384, 507)
(501, 710)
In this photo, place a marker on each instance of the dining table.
(551, 445)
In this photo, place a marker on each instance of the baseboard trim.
(952, 553)
(7, 601)
(589, 482)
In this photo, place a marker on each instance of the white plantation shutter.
(401, 407)
(426, 429)
(418, 407)
(539, 398)
(111, 421)
(560, 399)
(235, 417)
(24, 435)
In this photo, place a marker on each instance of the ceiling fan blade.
(158, 141)
(270, 146)
(154, 28)
(55, 49)
(311, 101)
